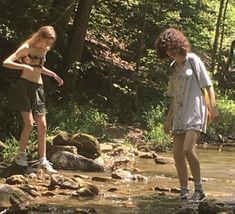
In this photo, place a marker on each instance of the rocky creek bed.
(103, 178)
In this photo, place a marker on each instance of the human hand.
(215, 115)
(167, 127)
(59, 80)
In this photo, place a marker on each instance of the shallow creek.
(218, 172)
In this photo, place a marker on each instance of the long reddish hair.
(44, 32)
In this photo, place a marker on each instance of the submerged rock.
(164, 160)
(48, 208)
(126, 175)
(88, 190)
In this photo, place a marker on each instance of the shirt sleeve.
(204, 78)
(202, 73)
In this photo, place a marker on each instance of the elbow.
(5, 63)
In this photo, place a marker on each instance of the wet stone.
(210, 207)
(50, 194)
(11, 195)
(100, 179)
(63, 182)
(162, 188)
(16, 179)
(30, 190)
(113, 189)
(164, 160)
(44, 208)
(175, 190)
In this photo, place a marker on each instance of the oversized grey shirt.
(189, 106)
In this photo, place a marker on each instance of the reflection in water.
(218, 172)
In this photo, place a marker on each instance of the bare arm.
(48, 72)
(10, 62)
(169, 118)
(214, 111)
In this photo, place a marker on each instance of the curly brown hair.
(172, 39)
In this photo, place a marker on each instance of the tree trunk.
(216, 39)
(231, 56)
(75, 45)
(223, 24)
(136, 77)
(60, 14)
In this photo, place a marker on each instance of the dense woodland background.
(105, 53)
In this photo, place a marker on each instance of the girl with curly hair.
(187, 114)
(28, 95)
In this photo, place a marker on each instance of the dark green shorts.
(28, 96)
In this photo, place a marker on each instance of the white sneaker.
(21, 159)
(47, 167)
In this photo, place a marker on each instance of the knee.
(28, 126)
(188, 152)
(179, 156)
(42, 126)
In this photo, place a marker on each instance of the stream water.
(218, 172)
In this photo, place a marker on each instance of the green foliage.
(79, 67)
(121, 34)
(124, 90)
(155, 137)
(73, 118)
(6, 33)
(93, 121)
(12, 145)
(14, 23)
(9, 119)
(226, 125)
(154, 71)
(10, 152)
(154, 75)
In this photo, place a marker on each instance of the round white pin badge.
(189, 72)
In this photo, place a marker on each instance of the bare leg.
(180, 162)
(28, 125)
(42, 128)
(190, 141)
(44, 164)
